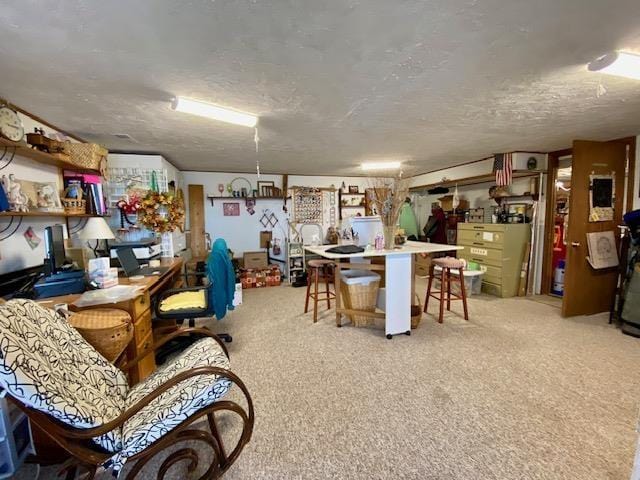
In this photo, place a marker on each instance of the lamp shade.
(96, 229)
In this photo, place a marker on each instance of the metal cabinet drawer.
(492, 289)
(484, 256)
(477, 238)
(482, 227)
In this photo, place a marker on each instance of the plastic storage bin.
(472, 280)
(359, 289)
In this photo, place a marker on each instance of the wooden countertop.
(151, 283)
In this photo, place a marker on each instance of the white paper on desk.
(119, 293)
(488, 236)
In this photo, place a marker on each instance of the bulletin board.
(307, 205)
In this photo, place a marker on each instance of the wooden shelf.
(478, 179)
(347, 193)
(49, 214)
(24, 150)
(352, 206)
(528, 196)
(239, 199)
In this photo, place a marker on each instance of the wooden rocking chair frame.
(87, 455)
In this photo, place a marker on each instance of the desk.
(399, 279)
(140, 310)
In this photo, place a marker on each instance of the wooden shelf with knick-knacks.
(50, 214)
(23, 149)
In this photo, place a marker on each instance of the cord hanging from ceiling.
(256, 140)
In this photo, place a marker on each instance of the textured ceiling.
(434, 83)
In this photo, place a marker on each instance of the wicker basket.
(89, 155)
(73, 205)
(360, 297)
(108, 330)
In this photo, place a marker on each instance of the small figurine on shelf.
(18, 201)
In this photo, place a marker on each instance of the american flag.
(503, 168)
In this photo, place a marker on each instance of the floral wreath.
(162, 212)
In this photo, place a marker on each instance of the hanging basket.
(73, 205)
(89, 156)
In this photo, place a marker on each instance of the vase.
(389, 237)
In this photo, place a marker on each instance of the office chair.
(210, 300)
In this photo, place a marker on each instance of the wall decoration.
(18, 201)
(47, 197)
(307, 205)
(353, 189)
(268, 219)
(32, 238)
(231, 209)
(221, 188)
(265, 188)
(250, 203)
(161, 212)
(602, 249)
(602, 197)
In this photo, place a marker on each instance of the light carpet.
(516, 393)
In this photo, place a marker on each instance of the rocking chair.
(85, 405)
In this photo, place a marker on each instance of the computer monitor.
(54, 246)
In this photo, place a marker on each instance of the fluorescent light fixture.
(381, 165)
(621, 64)
(209, 110)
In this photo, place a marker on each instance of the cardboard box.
(446, 203)
(476, 215)
(255, 260)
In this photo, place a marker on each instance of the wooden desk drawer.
(142, 327)
(140, 304)
(485, 239)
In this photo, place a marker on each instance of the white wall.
(15, 252)
(243, 233)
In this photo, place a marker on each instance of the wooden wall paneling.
(196, 220)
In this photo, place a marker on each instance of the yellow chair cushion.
(184, 300)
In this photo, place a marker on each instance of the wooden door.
(588, 291)
(196, 221)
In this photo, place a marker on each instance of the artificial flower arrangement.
(162, 212)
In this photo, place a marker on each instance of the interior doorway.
(561, 197)
(587, 188)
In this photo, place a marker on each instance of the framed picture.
(43, 196)
(353, 189)
(265, 189)
(231, 209)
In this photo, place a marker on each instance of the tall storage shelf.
(15, 438)
(500, 250)
(296, 263)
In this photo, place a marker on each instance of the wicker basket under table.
(108, 330)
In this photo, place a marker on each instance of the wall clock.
(10, 125)
(532, 163)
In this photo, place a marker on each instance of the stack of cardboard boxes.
(257, 273)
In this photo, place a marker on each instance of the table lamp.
(96, 229)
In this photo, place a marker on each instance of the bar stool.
(446, 264)
(317, 267)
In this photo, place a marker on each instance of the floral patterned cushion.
(176, 404)
(47, 365)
